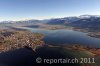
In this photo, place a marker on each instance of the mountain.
(20, 22)
(7, 24)
(64, 20)
(71, 19)
(88, 16)
(82, 21)
(90, 22)
(67, 20)
(57, 21)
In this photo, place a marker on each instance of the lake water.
(63, 36)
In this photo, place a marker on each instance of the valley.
(61, 37)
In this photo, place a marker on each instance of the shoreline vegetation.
(11, 40)
(15, 39)
(91, 33)
(16, 36)
(76, 51)
(79, 47)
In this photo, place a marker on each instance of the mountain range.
(82, 21)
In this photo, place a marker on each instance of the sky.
(45, 9)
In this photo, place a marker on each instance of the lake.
(64, 36)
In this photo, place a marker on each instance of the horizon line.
(40, 18)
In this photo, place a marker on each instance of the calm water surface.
(63, 36)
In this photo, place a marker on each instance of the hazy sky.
(41, 9)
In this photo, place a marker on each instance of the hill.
(15, 39)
